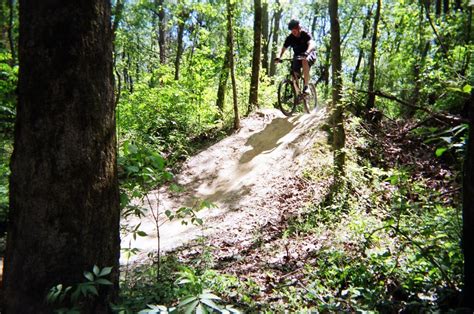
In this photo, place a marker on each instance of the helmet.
(293, 24)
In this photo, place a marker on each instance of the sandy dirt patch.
(237, 174)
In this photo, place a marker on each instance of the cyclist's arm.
(311, 46)
(282, 51)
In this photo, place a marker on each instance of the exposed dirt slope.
(239, 175)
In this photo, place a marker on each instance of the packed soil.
(251, 180)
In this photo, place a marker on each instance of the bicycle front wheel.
(287, 97)
(311, 100)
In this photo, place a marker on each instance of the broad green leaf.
(207, 295)
(211, 304)
(142, 233)
(440, 151)
(89, 276)
(103, 281)
(92, 289)
(105, 271)
(132, 148)
(190, 307)
(96, 270)
(467, 89)
(200, 309)
(187, 301)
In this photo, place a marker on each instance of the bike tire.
(287, 97)
(311, 100)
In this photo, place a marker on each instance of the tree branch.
(444, 117)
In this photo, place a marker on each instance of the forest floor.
(270, 227)
(250, 180)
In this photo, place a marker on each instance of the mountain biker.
(303, 48)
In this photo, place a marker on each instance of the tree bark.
(11, 40)
(230, 43)
(438, 8)
(371, 98)
(468, 214)
(224, 77)
(445, 7)
(265, 36)
(339, 136)
(276, 29)
(256, 58)
(64, 201)
(179, 52)
(161, 30)
(365, 32)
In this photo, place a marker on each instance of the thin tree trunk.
(458, 5)
(230, 44)
(337, 118)
(179, 52)
(421, 50)
(371, 98)
(118, 11)
(276, 29)
(438, 8)
(11, 8)
(467, 40)
(256, 58)
(265, 35)
(64, 201)
(325, 68)
(445, 7)
(224, 78)
(161, 30)
(365, 32)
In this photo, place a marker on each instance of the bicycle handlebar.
(290, 59)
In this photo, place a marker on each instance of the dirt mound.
(237, 175)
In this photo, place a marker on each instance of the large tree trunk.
(339, 136)
(64, 201)
(265, 35)
(371, 97)
(256, 58)
(468, 214)
(230, 44)
(276, 29)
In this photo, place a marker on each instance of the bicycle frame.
(294, 78)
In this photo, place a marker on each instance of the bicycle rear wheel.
(311, 100)
(287, 97)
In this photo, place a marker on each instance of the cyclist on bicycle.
(303, 48)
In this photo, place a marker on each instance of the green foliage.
(5, 153)
(183, 289)
(8, 82)
(71, 299)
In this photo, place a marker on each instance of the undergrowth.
(394, 243)
(391, 245)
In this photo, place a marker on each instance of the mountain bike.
(290, 93)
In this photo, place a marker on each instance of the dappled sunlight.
(233, 175)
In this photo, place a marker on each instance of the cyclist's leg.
(307, 63)
(305, 71)
(296, 67)
(311, 59)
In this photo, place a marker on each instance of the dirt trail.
(237, 175)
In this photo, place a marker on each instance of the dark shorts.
(297, 65)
